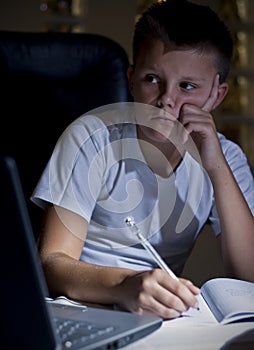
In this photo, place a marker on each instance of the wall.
(112, 18)
(115, 19)
(21, 15)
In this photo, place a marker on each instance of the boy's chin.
(162, 136)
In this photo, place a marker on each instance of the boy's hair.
(186, 25)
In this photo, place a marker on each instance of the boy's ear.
(130, 72)
(222, 92)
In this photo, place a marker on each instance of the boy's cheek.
(143, 96)
(198, 100)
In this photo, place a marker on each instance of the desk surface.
(184, 336)
(199, 330)
(196, 333)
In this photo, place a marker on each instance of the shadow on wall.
(205, 261)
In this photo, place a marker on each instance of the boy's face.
(168, 78)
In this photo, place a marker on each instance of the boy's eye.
(187, 86)
(152, 79)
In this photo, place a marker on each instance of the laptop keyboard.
(74, 334)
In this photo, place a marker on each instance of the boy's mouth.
(164, 120)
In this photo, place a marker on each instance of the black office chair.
(46, 81)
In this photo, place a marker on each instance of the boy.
(161, 161)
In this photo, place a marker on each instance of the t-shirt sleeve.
(73, 176)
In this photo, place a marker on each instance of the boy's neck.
(162, 157)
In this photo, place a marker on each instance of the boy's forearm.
(237, 224)
(83, 281)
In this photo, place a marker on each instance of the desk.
(184, 336)
(197, 330)
(200, 330)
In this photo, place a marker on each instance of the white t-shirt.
(98, 171)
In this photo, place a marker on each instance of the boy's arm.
(236, 219)
(60, 245)
(237, 224)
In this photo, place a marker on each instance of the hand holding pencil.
(130, 222)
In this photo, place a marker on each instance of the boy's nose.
(166, 99)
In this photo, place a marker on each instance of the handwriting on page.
(239, 292)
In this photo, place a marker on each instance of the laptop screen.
(22, 292)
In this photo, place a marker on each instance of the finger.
(161, 310)
(180, 296)
(162, 291)
(187, 295)
(208, 106)
(194, 289)
(152, 305)
(194, 114)
(170, 300)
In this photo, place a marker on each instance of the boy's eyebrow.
(192, 78)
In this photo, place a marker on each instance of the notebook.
(29, 321)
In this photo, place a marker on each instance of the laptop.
(31, 322)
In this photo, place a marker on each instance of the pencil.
(149, 248)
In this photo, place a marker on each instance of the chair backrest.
(46, 81)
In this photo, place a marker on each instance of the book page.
(202, 316)
(229, 299)
(64, 301)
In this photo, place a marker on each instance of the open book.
(224, 300)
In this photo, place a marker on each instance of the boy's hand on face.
(155, 292)
(210, 103)
(200, 127)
